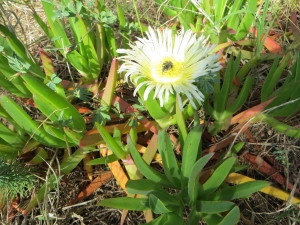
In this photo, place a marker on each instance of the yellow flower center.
(169, 68)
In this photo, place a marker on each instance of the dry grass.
(257, 209)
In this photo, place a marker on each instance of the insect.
(167, 66)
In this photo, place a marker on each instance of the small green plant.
(205, 200)
(219, 16)
(15, 178)
(281, 155)
(228, 99)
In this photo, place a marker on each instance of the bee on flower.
(169, 65)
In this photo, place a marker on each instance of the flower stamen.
(168, 69)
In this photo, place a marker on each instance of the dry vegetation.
(267, 145)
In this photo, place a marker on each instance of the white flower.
(169, 64)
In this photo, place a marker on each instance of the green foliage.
(82, 93)
(54, 81)
(112, 144)
(219, 16)
(229, 98)
(15, 178)
(206, 200)
(281, 155)
(206, 82)
(286, 94)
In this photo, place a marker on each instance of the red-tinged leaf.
(267, 169)
(236, 82)
(40, 157)
(94, 185)
(47, 63)
(250, 113)
(30, 145)
(108, 93)
(269, 43)
(92, 137)
(219, 145)
(82, 109)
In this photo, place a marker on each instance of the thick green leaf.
(111, 41)
(167, 219)
(169, 160)
(247, 21)
(152, 104)
(212, 219)
(242, 97)
(266, 88)
(193, 183)
(145, 169)
(217, 178)
(232, 217)
(20, 50)
(52, 104)
(160, 203)
(12, 77)
(288, 93)
(28, 125)
(85, 45)
(9, 86)
(279, 126)
(41, 156)
(63, 43)
(238, 191)
(7, 150)
(144, 187)
(136, 204)
(191, 149)
(21, 133)
(104, 160)
(43, 25)
(234, 19)
(100, 45)
(220, 98)
(71, 162)
(58, 132)
(212, 207)
(219, 9)
(74, 136)
(9, 136)
(111, 142)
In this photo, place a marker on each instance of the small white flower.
(169, 64)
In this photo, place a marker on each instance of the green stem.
(279, 126)
(181, 125)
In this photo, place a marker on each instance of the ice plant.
(169, 65)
